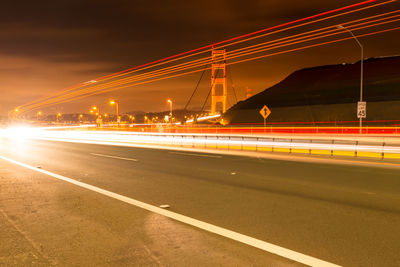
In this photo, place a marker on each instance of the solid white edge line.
(268, 247)
(113, 157)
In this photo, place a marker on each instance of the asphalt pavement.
(340, 213)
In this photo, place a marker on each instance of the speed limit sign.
(362, 110)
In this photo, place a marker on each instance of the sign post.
(361, 112)
(265, 112)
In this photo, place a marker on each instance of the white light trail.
(196, 140)
(205, 118)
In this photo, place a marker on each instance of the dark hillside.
(313, 90)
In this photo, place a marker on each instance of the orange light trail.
(236, 62)
(226, 43)
(106, 87)
(258, 48)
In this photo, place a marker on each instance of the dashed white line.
(257, 243)
(113, 157)
(196, 155)
(250, 154)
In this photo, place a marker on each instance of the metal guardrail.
(311, 146)
(258, 130)
(356, 147)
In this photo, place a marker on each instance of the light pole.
(170, 109)
(39, 113)
(15, 113)
(95, 108)
(361, 73)
(58, 116)
(116, 103)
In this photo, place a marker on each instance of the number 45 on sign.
(362, 110)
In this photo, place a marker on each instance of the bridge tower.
(219, 91)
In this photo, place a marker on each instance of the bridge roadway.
(340, 213)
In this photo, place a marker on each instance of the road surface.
(342, 214)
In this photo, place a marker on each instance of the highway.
(339, 213)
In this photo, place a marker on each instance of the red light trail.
(98, 87)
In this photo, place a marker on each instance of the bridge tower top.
(218, 80)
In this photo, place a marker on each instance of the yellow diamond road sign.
(265, 111)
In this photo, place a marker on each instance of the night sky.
(46, 46)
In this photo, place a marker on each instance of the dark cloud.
(101, 29)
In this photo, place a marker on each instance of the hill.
(327, 93)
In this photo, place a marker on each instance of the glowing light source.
(20, 133)
(205, 118)
(91, 81)
(170, 108)
(116, 103)
(201, 140)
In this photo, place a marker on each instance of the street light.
(362, 69)
(170, 107)
(39, 113)
(58, 116)
(15, 113)
(95, 109)
(116, 103)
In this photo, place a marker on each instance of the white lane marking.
(257, 243)
(113, 157)
(196, 155)
(250, 154)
